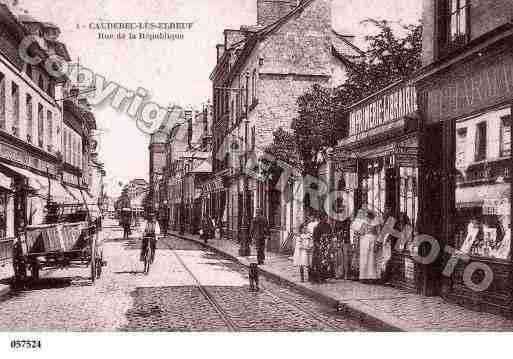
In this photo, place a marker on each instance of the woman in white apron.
(370, 249)
(303, 251)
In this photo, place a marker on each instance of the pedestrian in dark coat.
(259, 232)
(321, 260)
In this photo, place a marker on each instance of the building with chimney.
(261, 71)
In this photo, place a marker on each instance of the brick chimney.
(220, 51)
(232, 36)
(270, 11)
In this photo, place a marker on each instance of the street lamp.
(182, 199)
(244, 250)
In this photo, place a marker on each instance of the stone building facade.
(261, 71)
(44, 126)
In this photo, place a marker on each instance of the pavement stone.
(166, 299)
(6, 272)
(378, 307)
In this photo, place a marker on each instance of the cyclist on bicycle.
(150, 235)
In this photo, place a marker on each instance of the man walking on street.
(259, 232)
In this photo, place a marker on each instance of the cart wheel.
(93, 270)
(93, 264)
(147, 262)
(99, 268)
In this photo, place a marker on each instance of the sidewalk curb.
(4, 290)
(363, 313)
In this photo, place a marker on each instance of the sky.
(174, 72)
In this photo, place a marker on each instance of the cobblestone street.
(167, 299)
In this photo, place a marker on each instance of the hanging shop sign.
(397, 102)
(214, 185)
(471, 87)
(347, 164)
(22, 157)
(405, 156)
(70, 178)
(409, 269)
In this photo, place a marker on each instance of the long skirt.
(321, 260)
(355, 258)
(369, 266)
(338, 260)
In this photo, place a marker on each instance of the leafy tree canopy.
(318, 127)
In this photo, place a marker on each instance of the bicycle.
(149, 255)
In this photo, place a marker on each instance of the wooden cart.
(57, 246)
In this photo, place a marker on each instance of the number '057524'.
(25, 344)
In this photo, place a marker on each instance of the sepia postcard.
(255, 166)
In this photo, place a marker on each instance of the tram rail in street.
(208, 296)
(263, 289)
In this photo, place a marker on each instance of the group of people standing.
(350, 249)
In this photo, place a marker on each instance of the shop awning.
(36, 182)
(5, 181)
(40, 184)
(75, 193)
(92, 203)
(487, 197)
(59, 193)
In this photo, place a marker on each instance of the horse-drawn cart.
(57, 246)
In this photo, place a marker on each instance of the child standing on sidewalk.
(303, 251)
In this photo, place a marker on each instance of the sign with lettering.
(14, 154)
(346, 164)
(70, 178)
(471, 87)
(405, 156)
(397, 102)
(409, 269)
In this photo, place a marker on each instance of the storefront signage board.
(409, 269)
(22, 157)
(470, 87)
(394, 104)
(346, 165)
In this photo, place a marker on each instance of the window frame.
(15, 97)
(3, 99)
(503, 151)
(481, 141)
(455, 13)
(29, 111)
(40, 125)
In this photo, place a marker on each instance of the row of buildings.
(434, 149)
(48, 152)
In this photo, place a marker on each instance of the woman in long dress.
(342, 250)
(303, 251)
(321, 259)
(370, 250)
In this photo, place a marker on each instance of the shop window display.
(3, 214)
(483, 185)
(408, 198)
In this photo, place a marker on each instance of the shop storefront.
(29, 181)
(215, 203)
(377, 166)
(467, 112)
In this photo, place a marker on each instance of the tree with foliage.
(317, 128)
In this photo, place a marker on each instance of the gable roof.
(347, 52)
